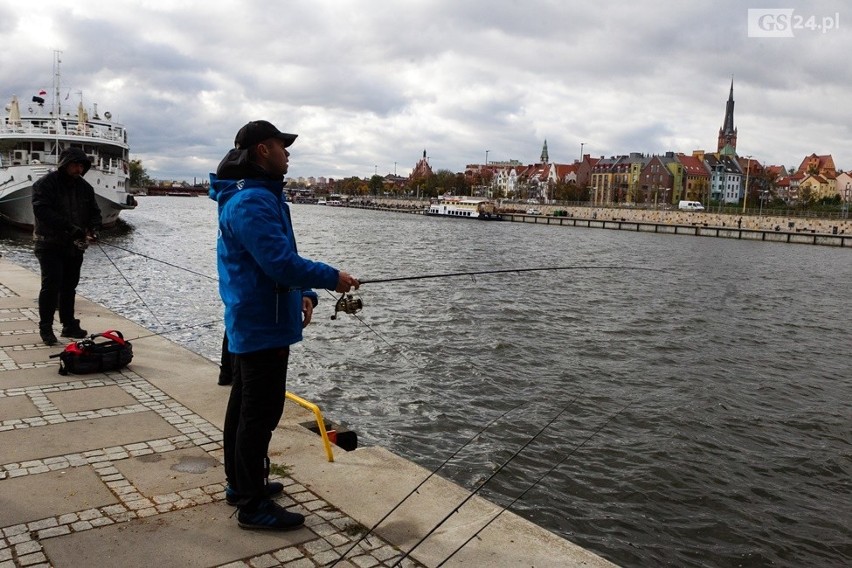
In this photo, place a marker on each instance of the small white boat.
(533, 211)
(31, 140)
(465, 207)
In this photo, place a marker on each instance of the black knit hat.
(257, 131)
(74, 156)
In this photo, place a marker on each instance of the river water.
(705, 401)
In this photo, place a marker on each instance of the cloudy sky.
(370, 85)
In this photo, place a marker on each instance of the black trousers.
(60, 274)
(226, 363)
(254, 409)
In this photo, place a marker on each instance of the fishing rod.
(175, 330)
(167, 263)
(167, 331)
(483, 483)
(535, 483)
(349, 304)
(505, 271)
(419, 485)
(128, 283)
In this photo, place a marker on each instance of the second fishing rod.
(350, 304)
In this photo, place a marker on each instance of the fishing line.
(419, 485)
(167, 263)
(536, 482)
(368, 326)
(504, 271)
(483, 483)
(175, 330)
(129, 284)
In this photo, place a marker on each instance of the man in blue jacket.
(266, 288)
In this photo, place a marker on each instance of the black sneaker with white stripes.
(269, 515)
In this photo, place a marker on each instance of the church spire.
(545, 159)
(728, 133)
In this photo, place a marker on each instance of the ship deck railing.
(50, 129)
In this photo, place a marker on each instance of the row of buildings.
(671, 177)
(718, 177)
(721, 176)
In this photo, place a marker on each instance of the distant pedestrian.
(67, 219)
(265, 286)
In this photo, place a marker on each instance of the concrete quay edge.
(124, 469)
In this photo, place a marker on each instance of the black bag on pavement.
(94, 356)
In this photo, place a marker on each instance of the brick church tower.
(728, 134)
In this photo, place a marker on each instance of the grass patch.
(354, 529)
(279, 470)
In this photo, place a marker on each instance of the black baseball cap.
(257, 131)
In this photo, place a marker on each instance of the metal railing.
(320, 421)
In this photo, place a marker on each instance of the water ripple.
(736, 449)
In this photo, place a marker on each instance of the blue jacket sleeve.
(257, 221)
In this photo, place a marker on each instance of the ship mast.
(57, 105)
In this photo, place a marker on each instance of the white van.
(690, 206)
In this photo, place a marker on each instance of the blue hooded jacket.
(262, 278)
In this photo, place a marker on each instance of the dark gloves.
(77, 233)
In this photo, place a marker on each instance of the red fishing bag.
(94, 356)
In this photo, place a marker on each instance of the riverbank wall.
(802, 230)
(124, 469)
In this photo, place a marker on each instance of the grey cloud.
(369, 84)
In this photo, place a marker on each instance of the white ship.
(466, 207)
(31, 139)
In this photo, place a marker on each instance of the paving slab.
(39, 354)
(20, 339)
(154, 501)
(82, 435)
(16, 301)
(90, 399)
(22, 378)
(195, 537)
(19, 325)
(51, 494)
(15, 407)
(170, 472)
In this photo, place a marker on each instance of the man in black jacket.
(67, 218)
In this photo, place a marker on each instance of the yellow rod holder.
(320, 422)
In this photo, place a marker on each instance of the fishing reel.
(348, 305)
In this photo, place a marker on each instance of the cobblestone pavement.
(124, 469)
(25, 544)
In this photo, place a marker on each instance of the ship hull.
(32, 140)
(16, 207)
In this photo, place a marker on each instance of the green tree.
(442, 182)
(350, 186)
(138, 175)
(376, 184)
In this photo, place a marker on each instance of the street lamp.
(581, 150)
(745, 194)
